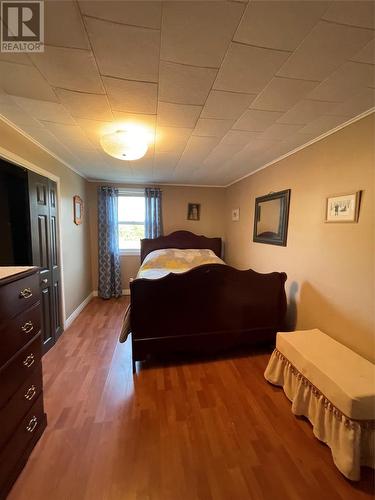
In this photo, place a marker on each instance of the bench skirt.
(352, 442)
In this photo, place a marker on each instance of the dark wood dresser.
(22, 417)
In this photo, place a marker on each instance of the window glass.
(131, 216)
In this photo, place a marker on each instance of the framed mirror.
(271, 218)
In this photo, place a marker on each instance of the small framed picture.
(344, 208)
(235, 214)
(77, 210)
(194, 211)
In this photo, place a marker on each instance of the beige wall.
(74, 239)
(174, 206)
(330, 267)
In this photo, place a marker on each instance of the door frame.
(20, 161)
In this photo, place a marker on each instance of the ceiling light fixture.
(128, 144)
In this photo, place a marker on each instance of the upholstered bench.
(334, 388)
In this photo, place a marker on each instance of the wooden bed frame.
(208, 309)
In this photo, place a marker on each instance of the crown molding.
(144, 184)
(323, 136)
(34, 141)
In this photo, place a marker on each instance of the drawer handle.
(28, 327)
(30, 393)
(29, 361)
(45, 281)
(26, 293)
(32, 424)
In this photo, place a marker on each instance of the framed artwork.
(194, 211)
(77, 210)
(235, 214)
(271, 216)
(344, 208)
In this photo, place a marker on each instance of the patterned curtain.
(153, 222)
(109, 256)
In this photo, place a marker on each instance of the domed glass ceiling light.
(129, 143)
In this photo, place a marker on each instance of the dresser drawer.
(19, 295)
(19, 368)
(18, 447)
(18, 331)
(12, 413)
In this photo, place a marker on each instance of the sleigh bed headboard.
(181, 240)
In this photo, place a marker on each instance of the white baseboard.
(125, 291)
(77, 311)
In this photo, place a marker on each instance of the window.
(131, 221)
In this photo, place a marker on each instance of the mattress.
(159, 263)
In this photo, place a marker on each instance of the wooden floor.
(211, 430)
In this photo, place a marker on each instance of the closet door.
(55, 261)
(45, 253)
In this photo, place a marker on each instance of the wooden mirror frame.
(281, 240)
(77, 200)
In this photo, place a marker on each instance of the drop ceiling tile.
(71, 136)
(64, 26)
(130, 96)
(353, 13)
(40, 134)
(145, 120)
(177, 115)
(326, 47)
(237, 71)
(367, 54)
(306, 111)
(125, 51)
(212, 127)
(49, 141)
(282, 93)
(179, 83)
(136, 13)
(5, 98)
(82, 105)
(24, 81)
(44, 110)
(17, 115)
(171, 139)
(345, 82)
(94, 129)
(72, 69)
(295, 141)
(321, 125)
(221, 154)
(256, 147)
(165, 163)
(163, 176)
(198, 33)
(197, 149)
(15, 58)
(230, 146)
(280, 131)
(256, 120)
(362, 101)
(278, 25)
(226, 105)
(239, 138)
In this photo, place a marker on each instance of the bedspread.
(159, 263)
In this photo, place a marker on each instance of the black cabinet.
(30, 236)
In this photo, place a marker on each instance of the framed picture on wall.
(194, 211)
(77, 210)
(344, 208)
(235, 214)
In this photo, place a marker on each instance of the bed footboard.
(209, 308)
